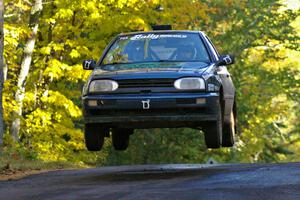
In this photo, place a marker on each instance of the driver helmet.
(185, 52)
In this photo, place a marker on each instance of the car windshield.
(157, 47)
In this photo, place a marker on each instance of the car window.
(157, 47)
(212, 47)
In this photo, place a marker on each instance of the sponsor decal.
(87, 64)
(154, 36)
(228, 60)
(123, 38)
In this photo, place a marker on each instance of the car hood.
(150, 70)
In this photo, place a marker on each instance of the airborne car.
(159, 79)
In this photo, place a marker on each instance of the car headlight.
(84, 90)
(190, 84)
(103, 86)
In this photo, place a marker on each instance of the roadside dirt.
(8, 175)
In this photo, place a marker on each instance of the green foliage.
(161, 146)
(264, 36)
(15, 158)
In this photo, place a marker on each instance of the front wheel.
(213, 131)
(229, 132)
(120, 138)
(212, 134)
(94, 136)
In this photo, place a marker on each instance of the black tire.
(228, 137)
(213, 132)
(120, 138)
(94, 136)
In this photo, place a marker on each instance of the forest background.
(45, 42)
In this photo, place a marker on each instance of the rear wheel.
(94, 136)
(120, 138)
(213, 132)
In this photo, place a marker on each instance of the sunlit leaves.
(266, 75)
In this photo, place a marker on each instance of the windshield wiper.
(165, 61)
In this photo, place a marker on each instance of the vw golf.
(159, 79)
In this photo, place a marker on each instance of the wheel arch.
(227, 104)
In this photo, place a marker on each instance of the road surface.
(197, 181)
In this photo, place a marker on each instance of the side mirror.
(225, 60)
(89, 64)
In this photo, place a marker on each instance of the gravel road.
(182, 181)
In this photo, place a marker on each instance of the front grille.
(143, 83)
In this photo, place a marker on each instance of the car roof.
(159, 31)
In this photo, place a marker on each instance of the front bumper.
(151, 110)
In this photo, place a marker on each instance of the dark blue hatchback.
(159, 79)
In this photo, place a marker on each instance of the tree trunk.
(1, 70)
(25, 66)
(5, 67)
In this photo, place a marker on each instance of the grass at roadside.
(16, 165)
